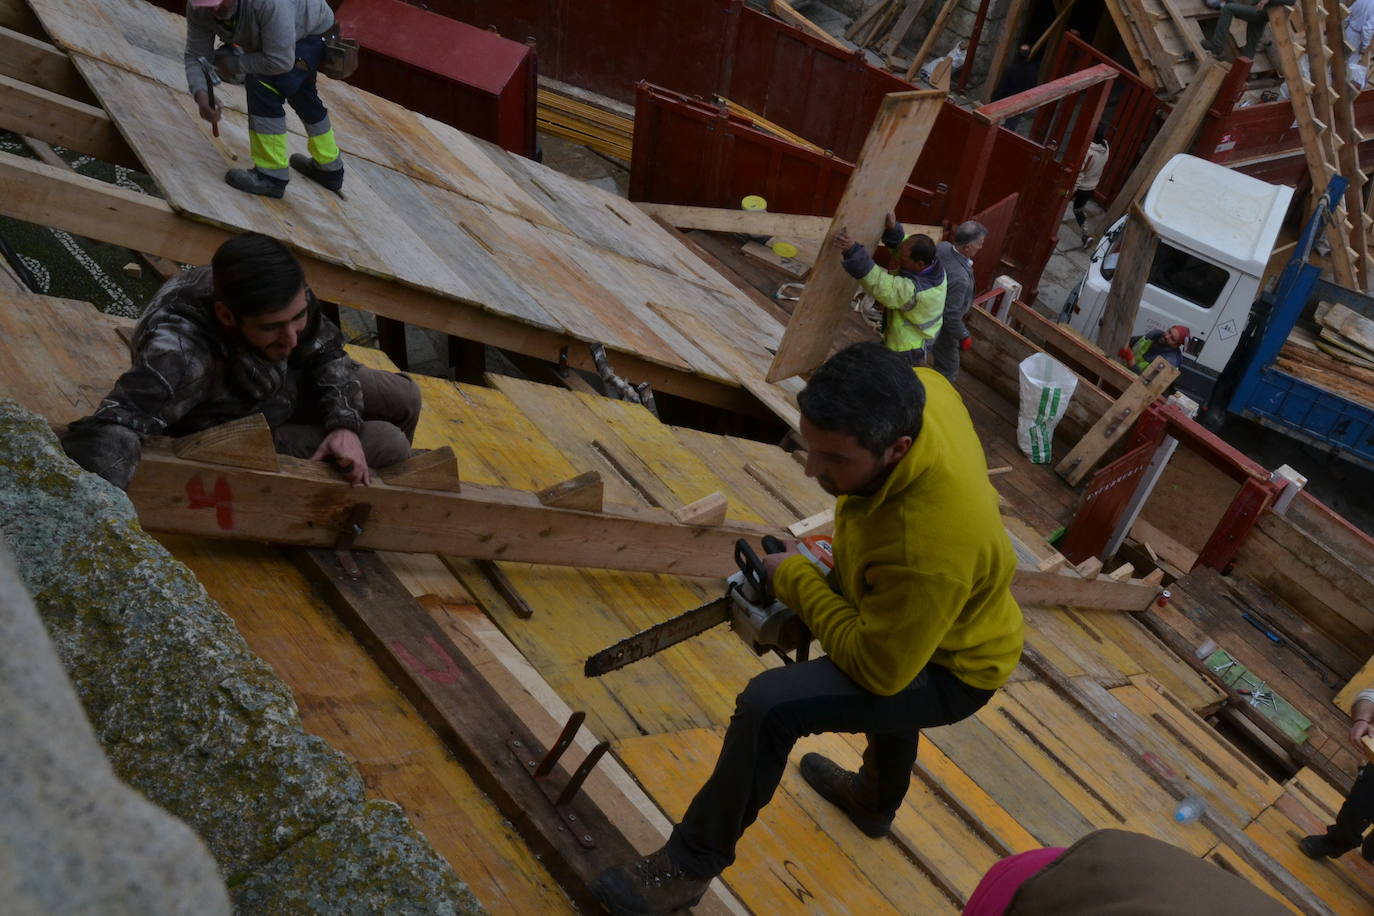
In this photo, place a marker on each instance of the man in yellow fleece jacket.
(917, 620)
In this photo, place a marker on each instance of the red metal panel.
(998, 220)
(1235, 525)
(1102, 504)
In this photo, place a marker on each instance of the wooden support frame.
(928, 45)
(1117, 421)
(39, 193)
(32, 111)
(1066, 587)
(307, 504)
(884, 166)
(41, 64)
(1053, 91)
(1138, 245)
(746, 222)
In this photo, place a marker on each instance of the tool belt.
(340, 54)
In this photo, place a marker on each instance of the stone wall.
(188, 715)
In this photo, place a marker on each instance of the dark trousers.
(1256, 21)
(391, 410)
(945, 354)
(1356, 814)
(1080, 204)
(784, 704)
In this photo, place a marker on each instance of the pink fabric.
(993, 894)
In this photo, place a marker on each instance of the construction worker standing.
(917, 620)
(956, 257)
(275, 48)
(912, 294)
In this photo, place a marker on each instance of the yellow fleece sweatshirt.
(924, 566)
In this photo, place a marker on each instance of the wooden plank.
(910, 10)
(1187, 30)
(35, 112)
(476, 721)
(1034, 588)
(1160, 58)
(1138, 245)
(306, 504)
(584, 492)
(38, 193)
(746, 222)
(243, 443)
(435, 469)
(1008, 38)
(709, 510)
(40, 64)
(1176, 135)
(884, 166)
(1117, 421)
(787, 13)
(1063, 87)
(1144, 67)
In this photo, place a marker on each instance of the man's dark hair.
(919, 247)
(868, 392)
(1100, 135)
(255, 274)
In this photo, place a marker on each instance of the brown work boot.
(841, 788)
(648, 886)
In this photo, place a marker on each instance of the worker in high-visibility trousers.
(275, 48)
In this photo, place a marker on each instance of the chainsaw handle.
(752, 568)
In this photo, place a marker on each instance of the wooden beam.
(1011, 32)
(1162, 61)
(928, 45)
(16, 16)
(585, 492)
(1175, 136)
(39, 193)
(306, 504)
(1053, 91)
(475, 720)
(911, 10)
(35, 112)
(822, 522)
(1036, 588)
(884, 167)
(1137, 256)
(41, 64)
(746, 222)
(784, 11)
(1144, 68)
(1117, 421)
(865, 18)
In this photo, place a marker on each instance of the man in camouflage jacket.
(197, 364)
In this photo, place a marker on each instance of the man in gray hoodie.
(957, 258)
(275, 48)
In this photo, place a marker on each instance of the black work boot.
(255, 182)
(647, 886)
(1320, 846)
(841, 788)
(329, 179)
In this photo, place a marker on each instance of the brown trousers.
(391, 410)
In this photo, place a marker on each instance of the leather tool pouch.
(340, 55)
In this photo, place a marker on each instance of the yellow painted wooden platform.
(1030, 769)
(426, 205)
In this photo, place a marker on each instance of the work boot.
(1320, 846)
(255, 182)
(329, 179)
(842, 789)
(647, 886)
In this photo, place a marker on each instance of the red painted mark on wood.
(221, 499)
(450, 673)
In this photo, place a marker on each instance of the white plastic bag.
(956, 57)
(1046, 387)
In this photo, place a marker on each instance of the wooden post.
(1011, 32)
(1176, 136)
(903, 25)
(928, 45)
(1133, 265)
(884, 166)
(974, 40)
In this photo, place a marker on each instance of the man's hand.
(771, 561)
(842, 241)
(1358, 731)
(890, 221)
(211, 113)
(345, 449)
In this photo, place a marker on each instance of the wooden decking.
(1098, 728)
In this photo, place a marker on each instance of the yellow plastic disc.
(754, 202)
(784, 249)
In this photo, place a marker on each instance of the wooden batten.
(1034, 588)
(821, 523)
(242, 443)
(435, 469)
(709, 510)
(1117, 421)
(585, 492)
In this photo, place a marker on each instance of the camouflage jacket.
(189, 375)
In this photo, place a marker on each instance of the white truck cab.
(1216, 230)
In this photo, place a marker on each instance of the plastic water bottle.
(1190, 809)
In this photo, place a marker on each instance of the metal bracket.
(541, 770)
(563, 368)
(351, 530)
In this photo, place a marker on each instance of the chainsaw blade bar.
(658, 637)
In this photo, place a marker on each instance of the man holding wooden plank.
(242, 336)
(1357, 813)
(912, 294)
(917, 620)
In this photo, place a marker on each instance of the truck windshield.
(1177, 272)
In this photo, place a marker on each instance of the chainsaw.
(748, 605)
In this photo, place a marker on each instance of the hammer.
(211, 80)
